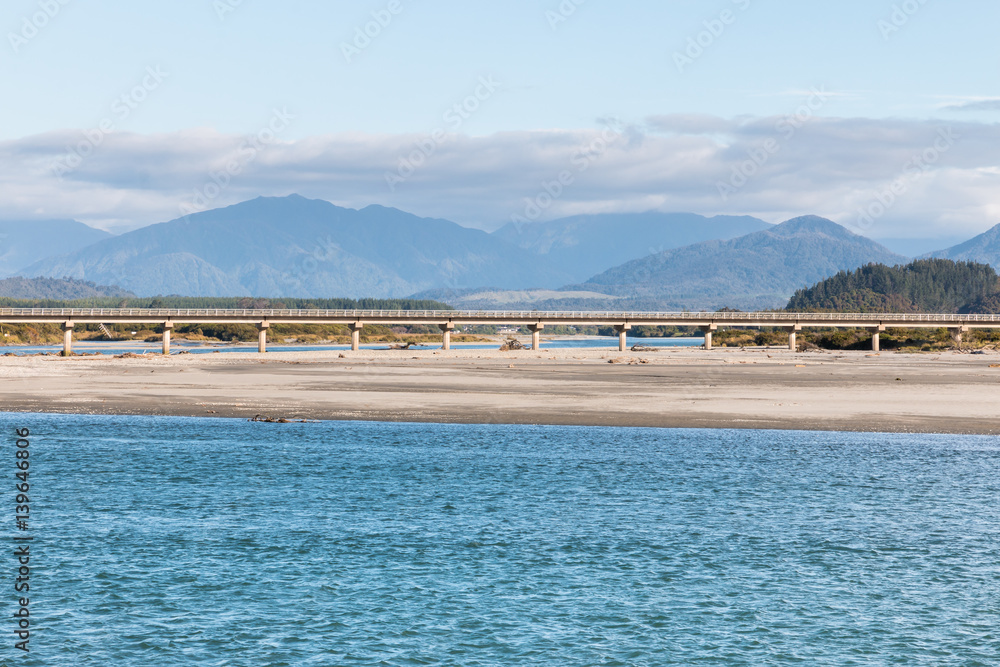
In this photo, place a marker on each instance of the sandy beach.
(675, 387)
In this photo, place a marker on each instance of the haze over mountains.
(296, 247)
(984, 249)
(583, 245)
(25, 242)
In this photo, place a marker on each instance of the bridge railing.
(495, 315)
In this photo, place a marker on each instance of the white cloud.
(989, 104)
(828, 166)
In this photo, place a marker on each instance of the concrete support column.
(623, 330)
(707, 330)
(956, 334)
(446, 330)
(792, 337)
(262, 336)
(67, 328)
(356, 335)
(876, 335)
(167, 328)
(536, 335)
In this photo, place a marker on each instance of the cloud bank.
(885, 178)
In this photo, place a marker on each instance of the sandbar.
(752, 388)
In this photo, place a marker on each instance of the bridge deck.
(208, 315)
(448, 319)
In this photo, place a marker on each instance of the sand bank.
(676, 387)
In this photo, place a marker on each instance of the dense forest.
(225, 302)
(57, 288)
(923, 286)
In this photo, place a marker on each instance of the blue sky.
(200, 76)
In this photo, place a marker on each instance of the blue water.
(200, 348)
(166, 541)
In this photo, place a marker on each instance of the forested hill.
(58, 288)
(924, 286)
(224, 303)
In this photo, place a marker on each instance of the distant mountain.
(984, 248)
(533, 299)
(918, 246)
(759, 270)
(923, 286)
(56, 288)
(24, 242)
(292, 246)
(586, 244)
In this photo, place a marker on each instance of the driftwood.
(269, 420)
(644, 348)
(404, 347)
(280, 420)
(512, 344)
(629, 361)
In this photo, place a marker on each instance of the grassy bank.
(315, 334)
(904, 340)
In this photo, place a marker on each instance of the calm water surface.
(165, 541)
(200, 348)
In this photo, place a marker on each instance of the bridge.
(447, 320)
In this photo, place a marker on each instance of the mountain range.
(24, 242)
(272, 247)
(293, 246)
(984, 249)
(758, 270)
(583, 245)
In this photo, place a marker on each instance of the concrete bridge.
(447, 320)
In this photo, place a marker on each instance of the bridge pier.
(792, 337)
(707, 330)
(167, 328)
(623, 330)
(356, 335)
(262, 336)
(876, 338)
(67, 328)
(956, 334)
(536, 335)
(446, 330)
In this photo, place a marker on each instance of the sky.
(879, 114)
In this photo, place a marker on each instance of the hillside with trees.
(242, 303)
(65, 289)
(923, 286)
(755, 271)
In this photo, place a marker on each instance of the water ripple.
(179, 541)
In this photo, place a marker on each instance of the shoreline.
(433, 343)
(675, 387)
